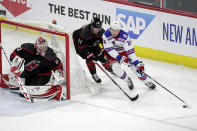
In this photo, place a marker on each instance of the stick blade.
(134, 98)
(186, 106)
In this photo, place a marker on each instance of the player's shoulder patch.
(50, 54)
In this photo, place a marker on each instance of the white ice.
(110, 109)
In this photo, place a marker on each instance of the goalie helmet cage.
(63, 34)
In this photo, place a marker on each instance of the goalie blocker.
(40, 64)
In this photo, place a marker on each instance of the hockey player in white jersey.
(120, 49)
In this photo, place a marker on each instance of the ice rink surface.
(110, 109)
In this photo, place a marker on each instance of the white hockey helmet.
(41, 45)
(115, 25)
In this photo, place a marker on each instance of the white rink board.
(151, 29)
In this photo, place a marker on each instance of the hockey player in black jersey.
(88, 44)
(40, 63)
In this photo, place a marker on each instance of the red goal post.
(63, 34)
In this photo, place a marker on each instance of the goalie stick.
(23, 89)
(21, 85)
(130, 98)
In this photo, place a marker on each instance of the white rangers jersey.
(119, 45)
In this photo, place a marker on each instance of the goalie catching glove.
(58, 77)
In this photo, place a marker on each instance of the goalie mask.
(96, 26)
(115, 28)
(41, 46)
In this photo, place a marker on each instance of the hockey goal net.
(13, 33)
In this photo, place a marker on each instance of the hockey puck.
(184, 106)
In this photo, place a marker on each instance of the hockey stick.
(5, 54)
(130, 98)
(21, 85)
(185, 104)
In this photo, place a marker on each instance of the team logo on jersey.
(32, 65)
(134, 23)
(124, 35)
(16, 7)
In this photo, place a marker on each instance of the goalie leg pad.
(60, 95)
(54, 92)
(4, 80)
(10, 82)
(13, 80)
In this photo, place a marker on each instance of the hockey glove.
(58, 77)
(90, 57)
(122, 59)
(140, 67)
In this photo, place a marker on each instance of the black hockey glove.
(90, 57)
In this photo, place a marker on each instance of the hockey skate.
(150, 85)
(130, 83)
(96, 78)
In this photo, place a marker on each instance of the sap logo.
(134, 23)
(16, 7)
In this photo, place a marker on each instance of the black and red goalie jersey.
(40, 61)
